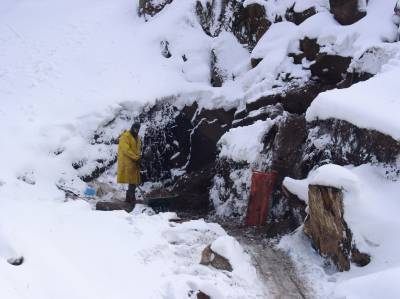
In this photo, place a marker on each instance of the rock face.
(299, 17)
(231, 188)
(346, 12)
(327, 228)
(339, 142)
(248, 23)
(216, 76)
(209, 257)
(295, 99)
(330, 69)
(151, 7)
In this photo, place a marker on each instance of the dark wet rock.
(284, 142)
(201, 295)
(309, 47)
(210, 125)
(359, 258)
(330, 69)
(351, 78)
(327, 229)
(166, 141)
(255, 61)
(340, 142)
(263, 113)
(249, 24)
(193, 191)
(297, 209)
(346, 12)
(210, 23)
(299, 17)
(216, 76)
(209, 257)
(151, 7)
(295, 100)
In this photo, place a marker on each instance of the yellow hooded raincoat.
(129, 150)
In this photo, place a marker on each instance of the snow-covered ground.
(72, 251)
(66, 67)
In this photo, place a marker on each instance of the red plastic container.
(262, 184)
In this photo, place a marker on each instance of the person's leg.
(130, 194)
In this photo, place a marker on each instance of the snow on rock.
(230, 248)
(372, 104)
(372, 216)
(236, 144)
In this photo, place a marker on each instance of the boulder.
(327, 229)
(346, 12)
(209, 257)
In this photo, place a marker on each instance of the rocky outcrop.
(248, 23)
(330, 69)
(284, 142)
(328, 230)
(209, 125)
(149, 8)
(216, 76)
(209, 18)
(296, 99)
(340, 142)
(209, 257)
(346, 12)
(299, 17)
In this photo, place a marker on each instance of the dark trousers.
(130, 194)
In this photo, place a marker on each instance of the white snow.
(244, 143)
(371, 207)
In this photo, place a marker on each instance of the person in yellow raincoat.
(129, 155)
